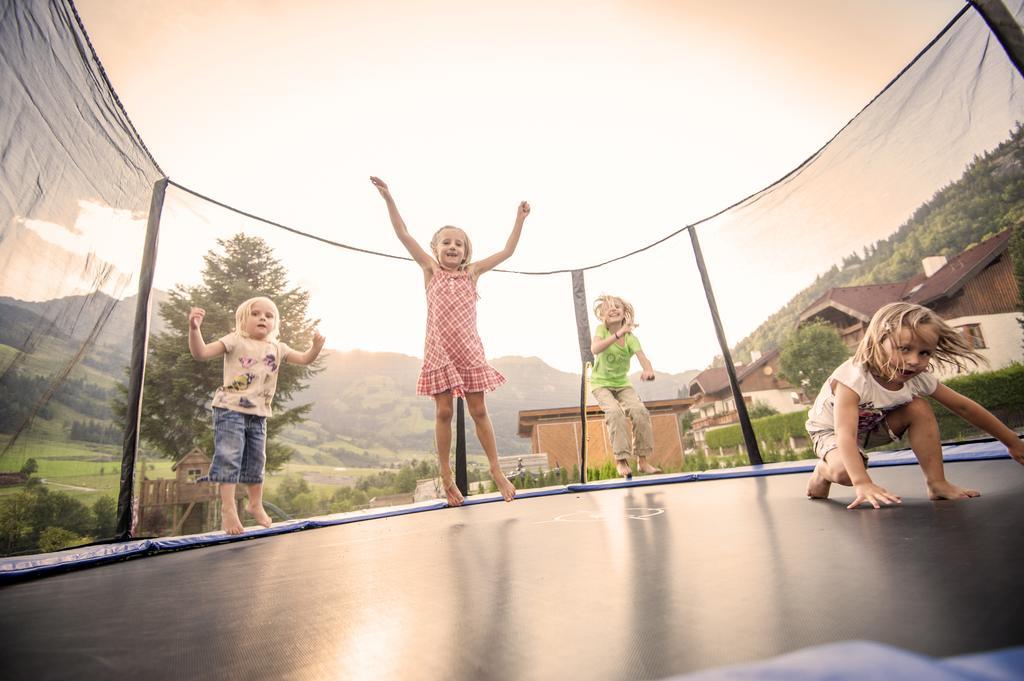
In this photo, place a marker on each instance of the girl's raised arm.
(415, 250)
(306, 358)
(492, 261)
(199, 348)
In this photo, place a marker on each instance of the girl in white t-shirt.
(252, 356)
(876, 397)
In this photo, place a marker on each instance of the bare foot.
(644, 467)
(947, 490)
(818, 486)
(507, 489)
(623, 469)
(229, 521)
(452, 493)
(260, 514)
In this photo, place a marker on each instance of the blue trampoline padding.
(1007, 663)
(17, 568)
(860, 660)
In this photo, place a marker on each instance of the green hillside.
(988, 198)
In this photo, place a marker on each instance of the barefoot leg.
(644, 467)
(229, 520)
(255, 505)
(917, 420)
(819, 485)
(485, 433)
(443, 441)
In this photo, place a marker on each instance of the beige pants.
(618, 405)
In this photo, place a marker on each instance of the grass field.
(88, 471)
(51, 355)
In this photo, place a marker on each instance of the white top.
(874, 400)
(250, 374)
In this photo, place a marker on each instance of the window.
(194, 473)
(972, 334)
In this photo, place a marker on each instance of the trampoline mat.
(626, 583)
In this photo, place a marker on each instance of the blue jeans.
(239, 447)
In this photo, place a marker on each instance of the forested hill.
(988, 198)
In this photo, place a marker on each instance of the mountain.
(366, 398)
(370, 398)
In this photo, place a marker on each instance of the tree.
(16, 521)
(104, 510)
(57, 538)
(810, 355)
(178, 388)
(762, 409)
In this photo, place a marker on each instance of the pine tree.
(178, 389)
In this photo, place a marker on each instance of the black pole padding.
(461, 477)
(137, 367)
(753, 453)
(579, 301)
(1004, 27)
(583, 425)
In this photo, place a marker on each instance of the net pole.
(137, 368)
(461, 477)
(1005, 28)
(579, 300)
(753, 453)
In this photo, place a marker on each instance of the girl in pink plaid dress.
(453, 356)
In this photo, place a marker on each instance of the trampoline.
(652, 578)
(617, 581)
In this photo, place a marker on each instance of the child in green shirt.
(614, 346)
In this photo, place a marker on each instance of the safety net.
(918, 198)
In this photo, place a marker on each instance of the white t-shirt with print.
(250, 374)
(874, 400)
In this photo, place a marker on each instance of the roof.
(716, 379)
(861, 302)
(195, 456)
(961, 269)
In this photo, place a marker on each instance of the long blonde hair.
(465, 237)
(245, 309)
(628, 315)
(882, 334)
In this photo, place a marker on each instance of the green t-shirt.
(612, 365)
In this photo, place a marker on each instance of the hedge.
(776, 429)
(1000, 391)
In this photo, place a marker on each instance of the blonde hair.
(628, 315)
(434, 240)
(245, 309)
(882, 335)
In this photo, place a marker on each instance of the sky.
(620, 122)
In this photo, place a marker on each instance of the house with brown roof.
(759, 381)
(975, 292)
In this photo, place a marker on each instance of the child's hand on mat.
(871, 493)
